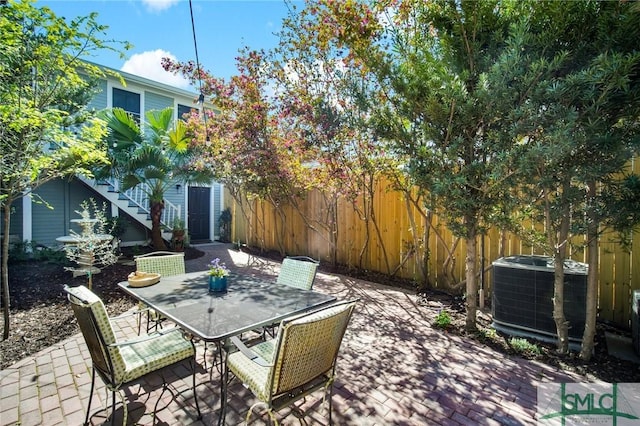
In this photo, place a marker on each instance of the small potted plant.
(178, 231)
(218, 273)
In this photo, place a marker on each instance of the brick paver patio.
(393, 369)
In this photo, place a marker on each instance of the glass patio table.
(248, 304)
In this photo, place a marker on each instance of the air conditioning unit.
(635, 321)
(522, 297)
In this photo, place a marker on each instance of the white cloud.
(159, 5)
(147, 65)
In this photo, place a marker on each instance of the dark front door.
(199, 213)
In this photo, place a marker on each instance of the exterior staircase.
(135, 203)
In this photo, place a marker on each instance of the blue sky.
(160, 28)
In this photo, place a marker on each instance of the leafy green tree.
(329, 98)
(243, 142)
(581, 64)
(322, 103)
(488, 98)
(156, 156)
(44, 87)
(442, 104)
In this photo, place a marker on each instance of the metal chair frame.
(295, 271)
(307, 345)
(165, 263)
(298, 271)
(102, 352)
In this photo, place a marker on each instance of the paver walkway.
(393, 369)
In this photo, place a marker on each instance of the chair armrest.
(249, 353)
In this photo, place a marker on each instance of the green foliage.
(178, 224)
(524, 347)
(20, 251)
(580, 129)
(117, 226)
(225, 225)
(45, 130)
(488, 333)
(443, 320)
(48, 254)
(582, 111)
(23, 251)
(225, 216)
(493, 107)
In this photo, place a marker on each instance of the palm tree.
(156, 155)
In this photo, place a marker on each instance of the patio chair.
(300, 360)
(166, 264)
(119, 363)
(298, 271)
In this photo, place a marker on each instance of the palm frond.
(178, 140)
(159, 124)
(154, 173)
(129, 181)
(124, 130)
(149, 156)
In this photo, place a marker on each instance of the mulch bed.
(40, 314)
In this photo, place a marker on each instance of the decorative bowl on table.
(143, 279)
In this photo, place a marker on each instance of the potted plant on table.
(218, 273)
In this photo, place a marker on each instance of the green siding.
(65, 198)
(134, 231)
(99, 101)
(172, 195)
(154, 101)
(15, 226)
(50, 222)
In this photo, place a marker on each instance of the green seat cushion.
(250, 373)
(146, 356)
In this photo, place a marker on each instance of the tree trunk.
(472, 286)
(333, 229)
(156, 227)
(562, 325)
(5, 267)
(588, 336)
(423, 259)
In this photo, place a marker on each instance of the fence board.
(619, 271)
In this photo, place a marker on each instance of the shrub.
(443, 320)
(523, 346)
(488, 333)
(22, 251)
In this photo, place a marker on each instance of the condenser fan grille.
(523, 296)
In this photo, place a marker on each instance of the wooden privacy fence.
(338, 233)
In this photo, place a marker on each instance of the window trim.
(132, 89)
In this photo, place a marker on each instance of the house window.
(128, 101)
(182, 110)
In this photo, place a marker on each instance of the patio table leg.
(224, 382)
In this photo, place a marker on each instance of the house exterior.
(198, 206)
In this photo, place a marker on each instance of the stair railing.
(138, 196)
